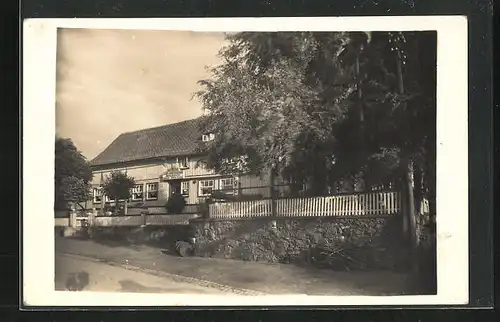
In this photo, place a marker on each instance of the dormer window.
(183, 163)
(207, 137)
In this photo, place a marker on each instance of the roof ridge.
(166, 140)
(161, 126)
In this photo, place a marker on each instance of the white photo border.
(39, 82)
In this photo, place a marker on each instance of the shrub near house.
(175, 204)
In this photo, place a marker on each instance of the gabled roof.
(177, 139)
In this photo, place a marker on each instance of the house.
(164, 160)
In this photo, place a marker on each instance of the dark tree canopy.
(72, 174)
(118, 185)
(323, 107)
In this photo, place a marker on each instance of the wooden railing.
(78, 220)
(366, 204)
(144, 220)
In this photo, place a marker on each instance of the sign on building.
(172, 174)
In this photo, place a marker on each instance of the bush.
(175, 204)
(118, 185)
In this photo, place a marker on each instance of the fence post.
(205, 208)
(92, 216)
(72, 217)
(144, 214)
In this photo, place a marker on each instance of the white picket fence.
(253, 208)
(367, 204)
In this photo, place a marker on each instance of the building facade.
(163, 161)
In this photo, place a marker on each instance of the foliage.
(324, 107)
(74, 189)
(118, 185)
(175, 204)
(72, 174)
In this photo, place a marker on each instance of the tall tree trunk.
(417, 188)
(408, 197)
(409, 202)
(272, 192)
(360, 108)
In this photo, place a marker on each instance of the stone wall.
(352, 243)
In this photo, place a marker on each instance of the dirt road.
(232, 276)
(77, 274)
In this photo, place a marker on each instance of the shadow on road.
(77, 281)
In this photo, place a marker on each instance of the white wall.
(151, 171)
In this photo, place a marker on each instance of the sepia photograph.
(247, 162)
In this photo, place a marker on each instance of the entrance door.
(175, 187)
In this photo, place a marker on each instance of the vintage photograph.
(246, 163)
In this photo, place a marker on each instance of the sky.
(115, 81)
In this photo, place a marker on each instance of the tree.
(72, 174)
(260, 107)
(118, 186)
(73, 189)
(326, 107)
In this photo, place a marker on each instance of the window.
(97, 195)
(227, 185)
(185, 188)
(206, 187)
(183, 163)
(207, 137)
(137, 192)
(152, 191)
